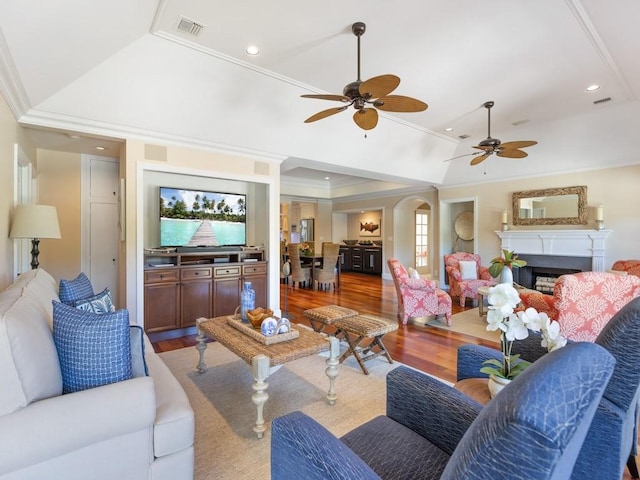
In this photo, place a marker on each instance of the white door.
(100, 223)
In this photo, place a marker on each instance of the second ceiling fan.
(490, 145)
(365, 95)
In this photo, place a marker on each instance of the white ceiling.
(121, 69)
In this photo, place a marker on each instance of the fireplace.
(551, 253)
(541, 271)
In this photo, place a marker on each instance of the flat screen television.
(198, 218)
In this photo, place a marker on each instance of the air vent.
(462, 137)
(189, 26)
(602, 100)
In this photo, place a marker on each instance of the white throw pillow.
(468, 270)
(413, 273)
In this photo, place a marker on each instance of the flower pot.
(496, 384)
(506, 276)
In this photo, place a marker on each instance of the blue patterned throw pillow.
(76, 289)
(93, 349)
(99, 303)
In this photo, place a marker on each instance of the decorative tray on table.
(247, 329)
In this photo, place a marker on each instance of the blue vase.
(247, 301)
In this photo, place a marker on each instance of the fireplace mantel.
(574, 243)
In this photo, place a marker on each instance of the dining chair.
(327, 274)
(299, 273)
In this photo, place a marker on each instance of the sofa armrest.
(302, 448)
(55, 426)
(429, 407)
(454, 273)
(483, 273)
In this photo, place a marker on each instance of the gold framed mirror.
(551, 206)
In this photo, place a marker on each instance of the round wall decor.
(464, 225)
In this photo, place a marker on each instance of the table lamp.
(35, 222)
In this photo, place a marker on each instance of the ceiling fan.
(370, 93)
(490, 145)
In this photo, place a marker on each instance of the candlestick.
(504, 217)
(600, 213)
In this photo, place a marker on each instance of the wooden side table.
(475, 388)
(483, 293)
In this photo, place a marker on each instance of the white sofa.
(142, 428)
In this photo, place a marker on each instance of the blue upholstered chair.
(611, 442)
(533, 430)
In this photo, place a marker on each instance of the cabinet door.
(257, 275)
(161, 300)
(226, 290)
(345, 258)
(196, 295)
(372, 260)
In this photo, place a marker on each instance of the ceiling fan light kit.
(368, 96)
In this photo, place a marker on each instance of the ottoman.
(364, 333)
(321, 317)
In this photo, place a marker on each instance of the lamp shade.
(35, 221)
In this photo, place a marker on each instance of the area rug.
(226, 446)
(469, 323)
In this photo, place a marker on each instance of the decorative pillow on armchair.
(468, 270)
(76, 289)
(413, 273)
(93, 349)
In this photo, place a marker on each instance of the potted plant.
(503, 299)
(508, 259)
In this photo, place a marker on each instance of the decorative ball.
(269, 327)
(284, 326)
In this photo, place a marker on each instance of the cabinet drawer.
(195, 273)
(254, 269)
(160, 276)
(227, 271)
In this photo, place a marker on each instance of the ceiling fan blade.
(479, 159)
(338, 98)
(520, 144)
(380, 86)
(325, 114)
(366, 119)
(511, 153)
(399, 103)
(486, 148)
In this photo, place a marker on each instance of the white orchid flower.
(535, 321)
(495, 320)
(516, 329)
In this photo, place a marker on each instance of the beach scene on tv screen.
(197, 218)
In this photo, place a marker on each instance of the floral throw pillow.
(100, 303)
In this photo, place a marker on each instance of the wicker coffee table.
(265, 359)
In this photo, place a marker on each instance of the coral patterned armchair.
(464, 277)
(583, 303)
(631, 267)
(418, 297)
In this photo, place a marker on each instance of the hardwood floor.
(426, 348)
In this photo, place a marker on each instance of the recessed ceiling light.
(448, 129)
(592, 88)
(252, 50)
(327, 178)
(73, 136)
(101, 148)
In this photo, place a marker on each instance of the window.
(422, 239)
